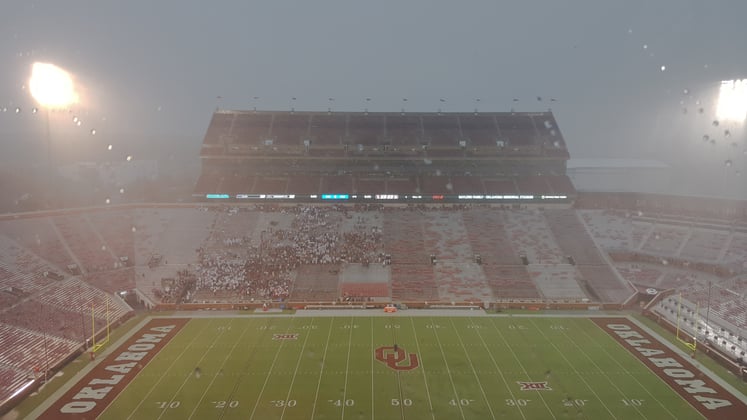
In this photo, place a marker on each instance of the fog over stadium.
(346, 209)
(629, 81)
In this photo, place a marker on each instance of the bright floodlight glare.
(732, 100)
(51, 86)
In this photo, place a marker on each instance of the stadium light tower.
(52, 88)
(732, 101)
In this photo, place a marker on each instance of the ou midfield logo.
(394, 356)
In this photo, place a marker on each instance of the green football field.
(441, 368)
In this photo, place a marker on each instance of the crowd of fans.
(248, 269)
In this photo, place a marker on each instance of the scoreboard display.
(386, 198)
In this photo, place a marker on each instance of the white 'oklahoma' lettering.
(134, 353)
(670, 367)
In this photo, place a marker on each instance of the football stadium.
(378, 265)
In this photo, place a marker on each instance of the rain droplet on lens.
(727, 133)
(129, 158)
(697, 102)
(78, 123)
(93, 131)
(706, 137)
(686, 91)
(109, 147)
(684, 110)
(108, 200)
(18, 110)
(713, 141)
(645, 46)
(121, 190)
(700, 110)
(727, 163)
(34, 111)
(715, 123)
(663, 68)
(134, 229)
(103, 247)
(75, 119)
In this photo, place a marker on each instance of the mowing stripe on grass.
(472, 365)
(215, 340)
(347, 368)
(295, 372)
(269, 373)
(225, 359)
(614, 385)
(422, 366)
(321, 369)
(648, 391)
(448, 370)
(573, 368)
(521, 365)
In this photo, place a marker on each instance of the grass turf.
(469, 367)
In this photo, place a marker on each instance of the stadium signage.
(703, 393)
(393, 356)
(98, 388)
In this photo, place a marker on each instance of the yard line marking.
(448, 370)
(347, 368)
(233, 348)
(184, 382)
(422, 366)
(298, 362)
(572, 367)
(474, 372)
(600, 370)
(513, 353)
(321, 369)
(628, 373)
(167, 369)
(269, 372)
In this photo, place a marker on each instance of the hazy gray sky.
(152, 70)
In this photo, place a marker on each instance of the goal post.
(94, 345)
(689, 340)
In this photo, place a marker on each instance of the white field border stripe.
(184, 350)
(573, 368)
(586, 355)
(321, 369)
(298, 362)
(347, 368)
(513, 353)
(207, 388)
(422, 367)
(626, 371)
(184, 382)
(448, 370)
(272, 365)
(474, 372)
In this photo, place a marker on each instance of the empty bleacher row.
(452, 130)
(217, 182)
